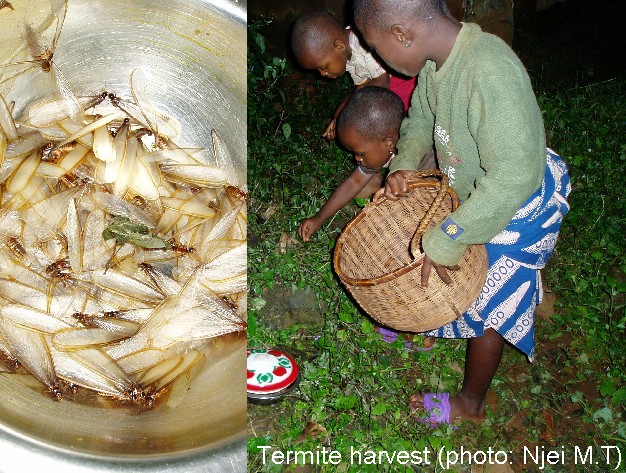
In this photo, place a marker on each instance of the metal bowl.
(193, 54)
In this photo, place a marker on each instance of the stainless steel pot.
(193, 53)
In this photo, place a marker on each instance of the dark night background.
(569, 40)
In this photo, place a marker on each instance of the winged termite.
(6, 358)
(42, 218)
(113, 320)
(73, 236)
(194, 175)
(178, 388)
(85, 130)
(42, 58)
(171, 370)
(126, 167)
(3, 148)
(74, 179)
(92, 101)
(194, 205)
(218, 231)
(95, 250)
(114, 205)
(25, 144)
(226, 274)
(31, 293)
(164, 283)
(51, 111)
(171, 154)
(201, 323)
(158, 122)
(125, 285)
(79, 338)
(103, 147)
(23, 173)
(135, 358)
(33, 319)
(145, 183)
(7, 124)
(94, 369)
(223, 159)
(33, 352)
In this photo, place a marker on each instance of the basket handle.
(443, 186)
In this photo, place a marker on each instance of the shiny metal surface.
(193, 54)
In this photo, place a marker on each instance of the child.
(475, 101)
(367, 126)
(320, 42)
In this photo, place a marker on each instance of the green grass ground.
(354, 388)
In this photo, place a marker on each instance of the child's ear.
(401, 34)
(339, 45)
(390, 142)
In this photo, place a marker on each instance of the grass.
(354, 388)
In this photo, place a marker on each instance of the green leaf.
(361, 201)
(257, 303)
(605, 415)
(607, 388)
(260, 42)
(619, 397)
(148, 241)
(367, 326)
(286, 130)
(120, 227)
(346, 317)
(379, 409)
(251, 325)
(123, 230)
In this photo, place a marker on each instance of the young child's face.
(368, 152)
(330, 63)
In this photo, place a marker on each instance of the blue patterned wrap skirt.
(513, 287)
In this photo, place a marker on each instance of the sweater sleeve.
(416, 131)
(505, 121)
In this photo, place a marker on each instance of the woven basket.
(378, 258)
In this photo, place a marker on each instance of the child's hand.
(308, 227)
(330, 131)
(442, 271)
(396, 185)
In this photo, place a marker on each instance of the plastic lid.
(270, 371)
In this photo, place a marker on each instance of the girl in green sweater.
(474, 101)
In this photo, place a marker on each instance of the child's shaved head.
(373, 112)
(379, 14)
(314, 33)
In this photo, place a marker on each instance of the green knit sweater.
(482, 114)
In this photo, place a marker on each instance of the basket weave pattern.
(378, 264)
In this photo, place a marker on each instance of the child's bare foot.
(460, 408)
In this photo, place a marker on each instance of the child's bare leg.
(375, 183)
(481, 363)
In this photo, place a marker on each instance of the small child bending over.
(475, 101)
(368, 127)
(320, 42)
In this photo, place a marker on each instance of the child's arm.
(346, 191)
(380, 81)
